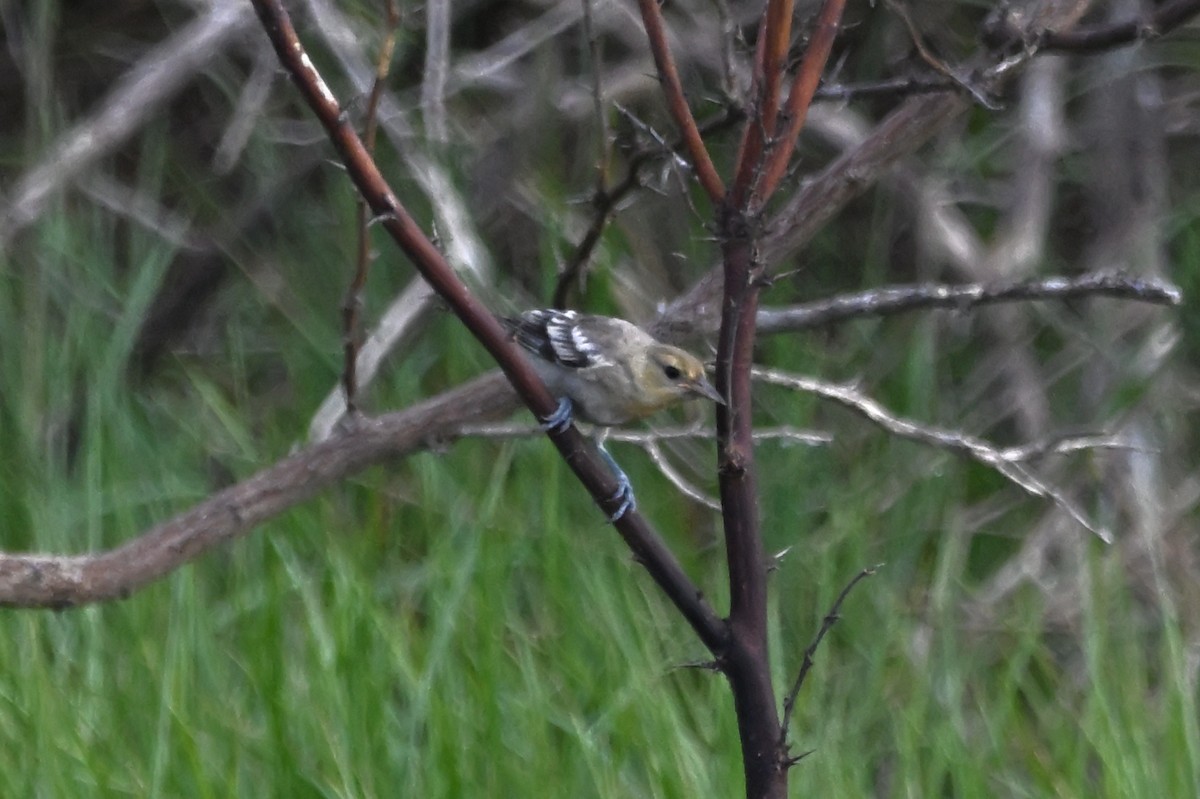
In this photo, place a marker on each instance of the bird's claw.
(624, 492)
(560, 420)
(624, 495)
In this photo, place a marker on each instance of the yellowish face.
(672, 375)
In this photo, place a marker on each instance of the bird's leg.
(560, 420)
(624, 492)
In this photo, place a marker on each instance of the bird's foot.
(624, 492)
(560, 420)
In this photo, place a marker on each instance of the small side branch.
(831, 618)
(774, 38)
(651, 443)
(605, 203)
(352, 304)
(1009, 463)
(903, 299)
(800, 97)
(1089, 39)
(677, 103)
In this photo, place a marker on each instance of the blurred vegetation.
(463, 623)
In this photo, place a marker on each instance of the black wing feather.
(555, 336)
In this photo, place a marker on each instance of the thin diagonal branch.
(677, 479)
(774, 39)
(677, 103)
(890, 300)
(352, 303)
(1159, 21)
(806, 663)
(604, 204)
(1006, 463)
(804, 86)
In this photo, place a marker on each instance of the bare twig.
(951, 74)
(650, 441)
(605, 205)
(603, 201)
(800, 97)
(903, 299)
(1007, 463)
(352, 304)
(1157, 22)
(887, 87)
(806, 664)
(774, 38)
(437, 69)
(678, 480)
(677, 102)
(783, 433)
(595, 70)
(463, 248)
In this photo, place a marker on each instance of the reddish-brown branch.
(804, 86)
(352, 304)
(677, 102)
(778, 36)
(773, 41)
(747, 663)
(579, 453)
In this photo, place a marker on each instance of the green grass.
(464, 624)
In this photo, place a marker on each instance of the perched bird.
(607, 372)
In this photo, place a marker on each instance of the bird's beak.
(707, 389)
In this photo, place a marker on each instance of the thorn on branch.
(386, 216)
(792, 760)
(777, 558)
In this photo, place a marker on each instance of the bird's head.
(671, 375)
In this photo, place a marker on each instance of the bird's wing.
(566, 338)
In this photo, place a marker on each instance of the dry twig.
(1009, 463)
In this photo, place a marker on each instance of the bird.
(608, 372)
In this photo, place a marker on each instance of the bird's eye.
(672, 372)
